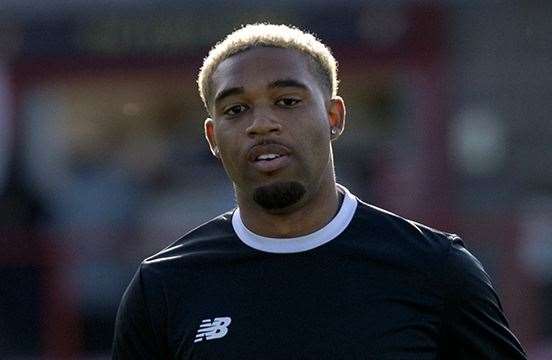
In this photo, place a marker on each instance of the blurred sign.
(395, 31)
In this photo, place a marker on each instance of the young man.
(301, 269)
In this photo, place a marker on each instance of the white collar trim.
(300, 243)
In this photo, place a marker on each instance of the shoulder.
(407, 245)
(401, 234)
(465, 274)
(438, 255)
(155, 272)
(441, 255)
(421, 246)
(207, 240)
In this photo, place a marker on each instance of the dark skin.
(272, 121)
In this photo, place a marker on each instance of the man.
(301, 269)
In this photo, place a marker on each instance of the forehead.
(261, 66)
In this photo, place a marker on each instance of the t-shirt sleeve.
(474, 323)
(135, 335)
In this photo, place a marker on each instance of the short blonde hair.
(269, 35)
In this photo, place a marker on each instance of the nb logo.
(215, 329)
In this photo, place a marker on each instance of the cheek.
(226, 138)
(229, 157)
(228, 146)
(318, 129)
(314, 139)
(230, 162)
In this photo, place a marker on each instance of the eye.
(288, 102)
(235, 110)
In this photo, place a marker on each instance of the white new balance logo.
(212, 329)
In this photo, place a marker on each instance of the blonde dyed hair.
(269, 35)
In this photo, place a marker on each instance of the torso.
(366, 294)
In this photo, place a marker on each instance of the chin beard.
(279, 195)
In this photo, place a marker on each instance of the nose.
(263, 123)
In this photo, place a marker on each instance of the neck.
(314, 211)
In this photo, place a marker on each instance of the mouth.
(269, 157)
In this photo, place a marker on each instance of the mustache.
(263, 142)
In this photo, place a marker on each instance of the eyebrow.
(229, 92)
(282, 83)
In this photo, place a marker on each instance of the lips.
(267, 152)
(269, 157)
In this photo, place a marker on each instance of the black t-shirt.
(369, 285)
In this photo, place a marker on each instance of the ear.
(209, 128)
(336, 116)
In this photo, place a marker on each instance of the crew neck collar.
(301, 243)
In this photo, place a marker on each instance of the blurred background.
(103, 160)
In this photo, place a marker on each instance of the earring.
(333, 131)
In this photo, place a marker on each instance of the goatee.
(279, 195)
